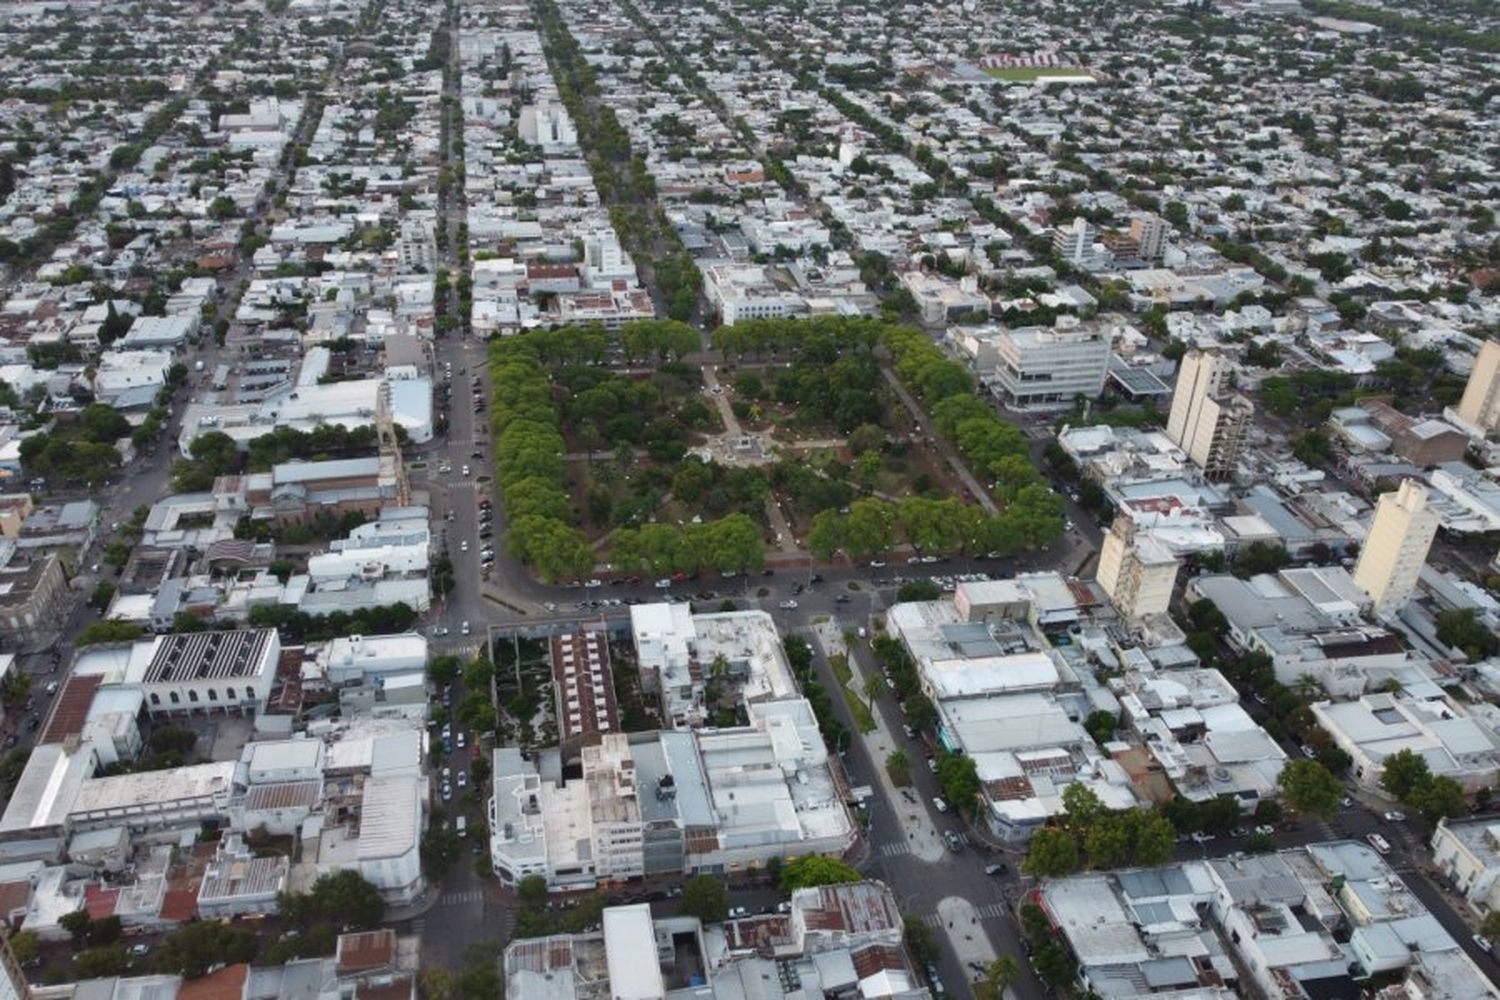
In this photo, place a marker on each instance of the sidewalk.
(917, 833)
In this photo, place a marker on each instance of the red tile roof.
(100, 902)
(179, 904)
(226, 984)
(366, 950)
(70, 710)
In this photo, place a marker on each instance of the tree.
(1490, 927)
(97, 963)
(1404, 772)
(1081, 808)
(921, 713)
(1052, 854)
(1153, 839)
(898, 766)
(532, 891)
(25, 945)
(999, 976)
(918, 590)
(190, 950)
(101, 633)
(1460, 629)
(958, 777)
(15, 689)
(1101, 726)
(1441, 798)
(918, 939)
(444, 669)
(76, 924)
(1220, 814)
(346, 898)
(1308, 788)
(815, 869)
(704, 897)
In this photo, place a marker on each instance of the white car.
(439, 630)
(1395, 817)
(1484, 943)
(463, 546)
(1265, 829)
(1379, 843)
(463, 779)
(1202, 838)
(789, 605)
(593, 583)
(464, 472)
(663, 584)
(463, 629)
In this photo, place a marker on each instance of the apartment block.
(1208, 420)
(1136, 570)
(1396, 548)
(1480, 405)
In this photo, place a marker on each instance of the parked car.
(1483, 942)
(999, 869)
(1394, 817)
(1200, 837)
(788, 605)
(1379, 843)
(939, 804)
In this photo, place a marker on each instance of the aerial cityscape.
(750, 499)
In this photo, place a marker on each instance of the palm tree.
(1307, 688)
(1001, 974)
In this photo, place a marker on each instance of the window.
(213, 695)
(155, 698)
(173, 695)
(229, 693)
(193, 695)
(249, 693)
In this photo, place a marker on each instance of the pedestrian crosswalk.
(990, 911)
(459, 898)
(893, 850)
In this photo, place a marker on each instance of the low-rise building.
(833, 941)
(1454, 742)
(1467, 852)
(669, 803)
(1309, 922)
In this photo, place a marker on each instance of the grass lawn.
(1023, 74)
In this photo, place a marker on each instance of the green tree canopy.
(815, 869)
(1308, 788)
(705, 897)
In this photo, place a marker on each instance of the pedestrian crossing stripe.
(933, 920)
(991, 911)
(893, 850)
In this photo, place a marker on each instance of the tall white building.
(1037, 367)
(1136, 570)
(1480, 405)
(1075, 241)
(1208, 419)
(1396, 549)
